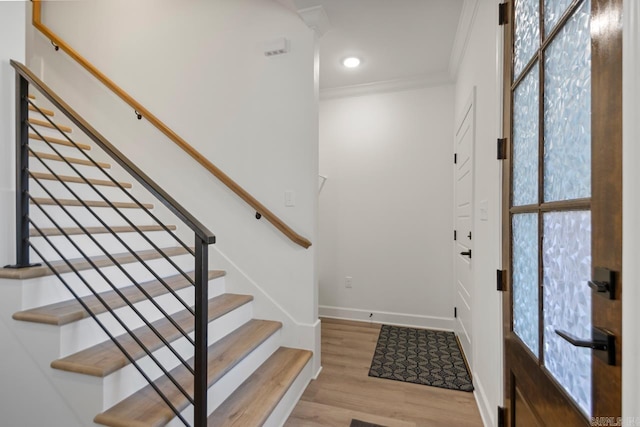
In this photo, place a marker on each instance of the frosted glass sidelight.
(527, 33)
(553, 11)
(566, 261)
(567, 111)
(525, 279)
(525, 140)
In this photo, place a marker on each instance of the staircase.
(109, 314)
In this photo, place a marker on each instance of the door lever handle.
(601, 340)
(466, 253)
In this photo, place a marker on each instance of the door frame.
(606, 211)
(469, 108)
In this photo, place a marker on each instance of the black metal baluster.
(201, 324)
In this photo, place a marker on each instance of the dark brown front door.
(562, 214)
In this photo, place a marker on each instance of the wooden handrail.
(224, 178)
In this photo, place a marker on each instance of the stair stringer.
(294, 334)
(31, 379)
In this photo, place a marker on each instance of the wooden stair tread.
(71, 231)
(91, 203)
(57, 158)
(251, 404)
(44, 110)
(82, 264)
(69, 311)
(46, 124)
(59, 141)
(106, 358)
(146, 408)
(77, 179)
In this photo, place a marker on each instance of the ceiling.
(397, 41)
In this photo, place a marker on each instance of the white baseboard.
(398, 319)
(486, 412)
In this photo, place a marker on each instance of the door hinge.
(455, 312)
(502, 415)
(502, 148)
(503, 16)
(455, 235)
(501, 277)
(455, 158)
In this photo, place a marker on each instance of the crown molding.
(463, 33)
(396, 85)
(316, 18)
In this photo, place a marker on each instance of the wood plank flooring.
(344, 390)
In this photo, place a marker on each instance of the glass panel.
(527, 33)
(567, 300)
(567, 111)
(525, 140)
(525, 279)
(553, 11)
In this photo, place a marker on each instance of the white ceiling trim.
(465, 24)
(289, 4)
(427, 80)
(316, 18)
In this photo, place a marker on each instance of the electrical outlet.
(348, 282)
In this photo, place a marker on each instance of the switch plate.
(289, 198)
(348, 282)
(484, 210)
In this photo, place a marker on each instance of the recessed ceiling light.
(351, 62)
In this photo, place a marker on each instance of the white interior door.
(463, 247)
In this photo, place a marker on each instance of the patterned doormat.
(420, 356)
(358, 423)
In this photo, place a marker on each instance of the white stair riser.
(82, 191)
(85, 333)
(128, 380)
(48, 290)
(284, 408)
(222, 389)
(108, 215)
(109, 243)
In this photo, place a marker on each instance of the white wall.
(631, 211)
(478, 68)
(12, 46)
(386, 209)
(199, 66)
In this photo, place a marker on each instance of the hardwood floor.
(344, 390)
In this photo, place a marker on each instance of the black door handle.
(602, 340)
(466, 253)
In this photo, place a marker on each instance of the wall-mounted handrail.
(201, 231)
(141, 110)
(202, 238)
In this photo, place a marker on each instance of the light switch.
(484, 210)
(289, 198)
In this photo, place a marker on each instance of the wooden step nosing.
(72, 363)
(76, 312)
(91, 203)
(294, 360)
(44, 110)
(77, 180)
(160, 410)
(59, 141)
(46, 124)
(74, 160)
(74, 231)
(82, 264)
